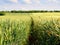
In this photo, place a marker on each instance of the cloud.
(37, 1)
(53, 1)
(27, 1)
(15, 1)
(31, 1)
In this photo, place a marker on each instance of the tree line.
(30, 11)
(33, 11)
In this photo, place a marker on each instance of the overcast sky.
(29, 4)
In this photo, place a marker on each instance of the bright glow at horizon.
(29, 4)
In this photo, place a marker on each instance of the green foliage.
(14, 32)
(45, 32)
(2, 13)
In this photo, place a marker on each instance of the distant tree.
(2, 13)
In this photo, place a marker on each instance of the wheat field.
(30, 29)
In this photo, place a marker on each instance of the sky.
(29, 4)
